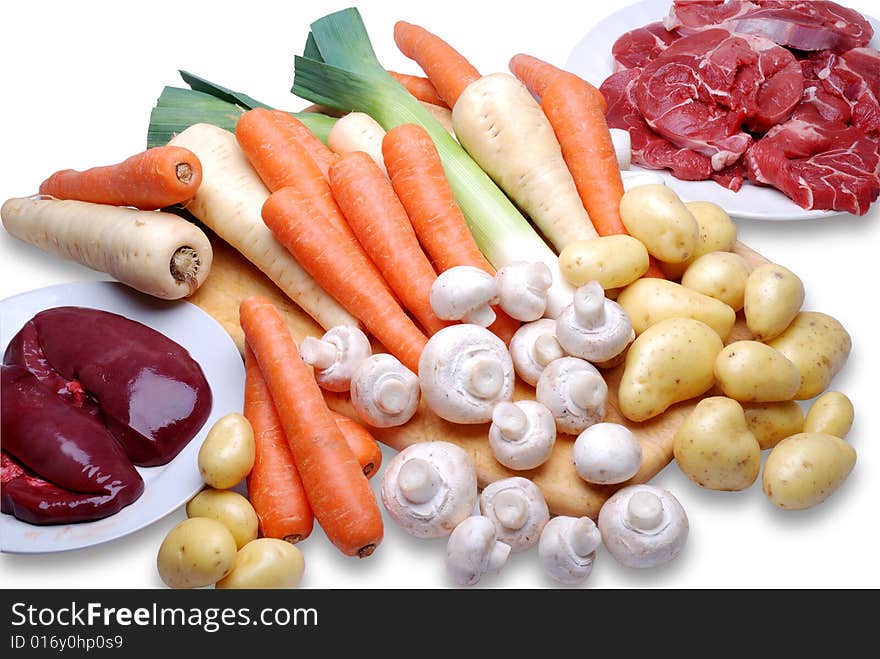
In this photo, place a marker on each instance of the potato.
(715, 448)
(613, 261)
(196, 553)
(832, 413)
(227, 454)
(805, 469)
(266, 563)
(773, 297)
(721, 275)
(670, 362)
(752, 372)
(770, 423)
(230, 509)
(717, 234)
(649, 301)
(656, 216)
(818, 345)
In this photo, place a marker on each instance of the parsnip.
(156, 253)
(505, 131)
(230, 200)
(358, 132)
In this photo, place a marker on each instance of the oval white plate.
(591, 59)
(166, 487)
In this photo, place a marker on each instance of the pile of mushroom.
(533, 347)
(384, 392)
(522, 289)
(574, 391)
(522, 434)
(518, 510)
(593, 327)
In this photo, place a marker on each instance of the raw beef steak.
(638, 47)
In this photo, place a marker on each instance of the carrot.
(343, 271)
(419, 87)
(380, 223)
(274, 487)
(418, 178)
(319, 152)
(338, 493)
(361, 443)
(155, 178)
(447, 69)
(536, 74)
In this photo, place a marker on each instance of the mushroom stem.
(418, 480)
(586, 389)
(547, 349)
(511, 508)
(583, 537)
(538, 278)
(318, 353)
(498, 556)
(644, 512)
(589, 305)
(483, 316)
(485, 378)
(511, 421)
(392, 395)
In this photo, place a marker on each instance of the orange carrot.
(274, 486)
(342, 271)
(380, 223)
(338, 492)
(361, 443)
(155, 178)
(319, 152)
(445, 67)
(419, 87)
(537, 74)
(417, 175)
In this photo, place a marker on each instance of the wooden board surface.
(232, 279)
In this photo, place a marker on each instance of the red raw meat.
(803, 25)
(638, 47)
(853, 77)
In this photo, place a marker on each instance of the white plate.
(166, 487)
(591, 59)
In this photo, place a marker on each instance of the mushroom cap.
(567, 548)
(522, 289)
(574, 392)
(464, 292)
(522, 434)
(464, 371)
(348, 346)
(643, 526)
(593, 327)
(518, 510)
(607, 453)
(437, 510)
(384, 392)
(473, 550)
(532, 347)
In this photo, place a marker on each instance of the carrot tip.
(369, 468)
(366, 550)
(293, 539)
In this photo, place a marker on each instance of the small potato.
(266, 563)
(805, 469)
(773, 297)
(649, 301)
(197, 552)
(670, 362)
(752, 372)
(717, 234)
(227, 454)
(230, 509)
(721, 275)
(715, 448)
(657, 217)
(613, 261)
(770, 423)
(832, 413)
(818, 345)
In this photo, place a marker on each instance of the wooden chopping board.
(232, 279)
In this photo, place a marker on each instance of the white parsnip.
(229, 202)
(358, 132)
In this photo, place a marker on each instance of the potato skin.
(720, 275)
(649, 301)
(227, 454)
(818, 345)
(770, 423)
(753, 372)
(715, 448)
(230, 509)
(657, 217)
(717, 234)
(805, 469)
(265, 563)
(670, 362)
(773, 297)
(613, 261)
(832, 413)
(197, 552)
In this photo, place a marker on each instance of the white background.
(78, 81)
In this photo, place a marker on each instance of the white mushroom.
(593, 327)
(429, 488)
(464, 293)
(384, 392)
(532, 347)
(574, 392)
(335, 356)
(518, 509)
(464, 371)
(643, 526)
(567, 548)
(473, 550)
(522, 289)
(607, 453)
(522, 434)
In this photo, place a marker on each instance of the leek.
(340, 70)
